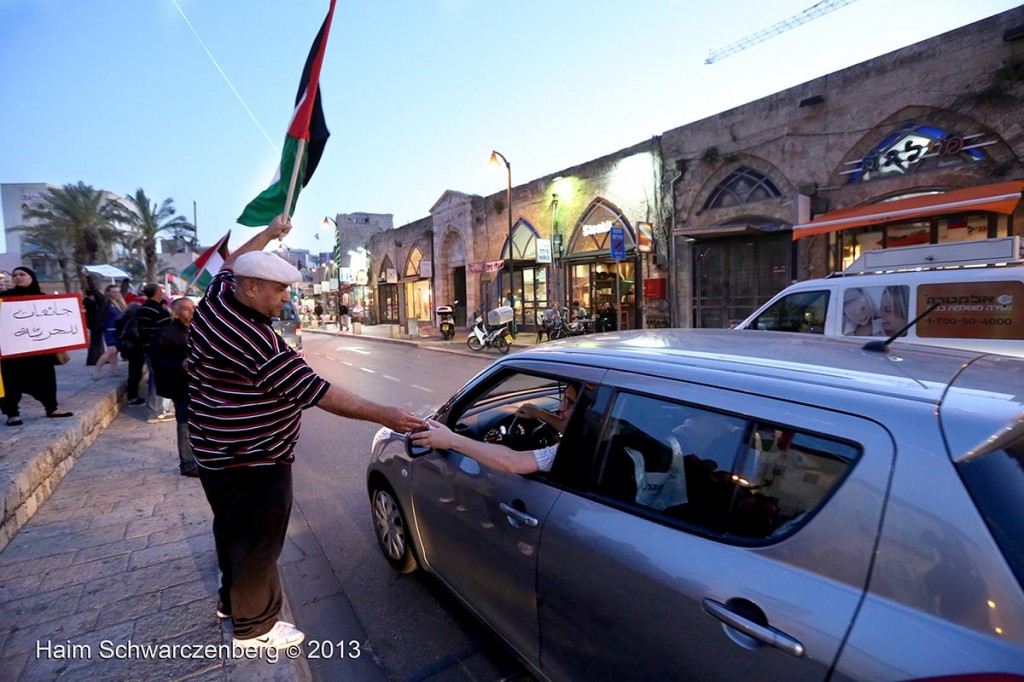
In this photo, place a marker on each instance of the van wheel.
(391, 529)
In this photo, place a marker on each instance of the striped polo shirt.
(247, 387)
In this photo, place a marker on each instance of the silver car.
(289, 326)
(724, 507)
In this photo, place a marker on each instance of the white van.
(976, 290)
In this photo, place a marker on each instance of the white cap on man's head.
(268, 266)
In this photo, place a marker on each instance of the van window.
(720, 474)
(875, 311)
(802, 311)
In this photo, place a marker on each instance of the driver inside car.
(500, 457)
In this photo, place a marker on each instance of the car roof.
(755, 362)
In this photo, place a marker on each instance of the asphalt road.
(416, 629)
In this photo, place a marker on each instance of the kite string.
(226, 79)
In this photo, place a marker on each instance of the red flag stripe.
(299, 127)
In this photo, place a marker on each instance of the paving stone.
(128, 609)
(108, 549)
(85, 572)
(159, 554)
(39, 607)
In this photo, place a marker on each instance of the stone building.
(922, 145)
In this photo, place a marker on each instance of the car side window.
(803, 311)
(717, 473)
(490, 415)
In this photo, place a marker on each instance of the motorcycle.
(446, 321)
(484, 335)
(562, 327)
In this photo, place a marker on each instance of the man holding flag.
(247, 390)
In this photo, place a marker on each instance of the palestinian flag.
(307, 124)
(207, 265)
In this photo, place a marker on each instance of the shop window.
(524, 242)
(743, 186)
(918, 146)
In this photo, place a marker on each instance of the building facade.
(922, 145)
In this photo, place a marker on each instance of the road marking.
(428, 390)
(354, 349)
(368, 370)
(347, 363)
(391, 378)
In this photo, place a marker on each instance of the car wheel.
(474, 342)
(391, 529)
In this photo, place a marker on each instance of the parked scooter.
(563, 327)
(446, 321)
(484, 335)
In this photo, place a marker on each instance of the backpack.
(127, 334)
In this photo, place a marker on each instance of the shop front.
(981, 212)
(530, 279)
(593, 277)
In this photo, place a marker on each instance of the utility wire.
(227, 80)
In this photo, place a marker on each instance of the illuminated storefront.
(592, 277)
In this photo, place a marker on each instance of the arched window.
(524, 242)
(743, 186)
(914, 147)
(386, 264)
(412, 263)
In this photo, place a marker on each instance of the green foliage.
(146, 222)
(76, 216)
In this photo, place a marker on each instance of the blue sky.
(120, 94)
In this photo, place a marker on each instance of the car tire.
(474, 342)
(391, 529)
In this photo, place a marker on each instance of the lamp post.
(337, 259)
(495, 155)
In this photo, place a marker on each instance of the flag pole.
(299, 151)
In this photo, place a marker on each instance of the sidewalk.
(105, 548)
(119, 557)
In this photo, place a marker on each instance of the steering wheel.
(530, 434)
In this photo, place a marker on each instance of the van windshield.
(802, 311)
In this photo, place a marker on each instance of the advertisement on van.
(972, 310)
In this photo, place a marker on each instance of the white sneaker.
(281, 636)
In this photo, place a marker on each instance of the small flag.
(307, 124)
(207, 265)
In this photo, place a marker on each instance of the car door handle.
(520, 516)
(762, 633)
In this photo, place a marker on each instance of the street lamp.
(495, 155)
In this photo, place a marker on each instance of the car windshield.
(996, 484)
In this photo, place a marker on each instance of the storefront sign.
(426, 269)
(972, 310)
(487, 266)
(599, 228)
(392, 276)
(645, 237)
(543, 250)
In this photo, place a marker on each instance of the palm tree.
(83, 215)
(52, 241)
(146, 221)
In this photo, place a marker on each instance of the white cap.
(266, 265)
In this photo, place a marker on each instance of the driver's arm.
(491, 455)
(556, 420)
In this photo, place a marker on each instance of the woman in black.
(32, 374)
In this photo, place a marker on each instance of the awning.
(107, 271)
(1002, 197)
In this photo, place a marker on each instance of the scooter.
(446, 321)
(484, 336)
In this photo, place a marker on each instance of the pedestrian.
(606, 321)
(168, 352)
(247, 390)
(128, 294)
(32, 374)
(343, 314)
(318, 310)
(150, 316)
(97, 309)
(115, 312)
(548, 320)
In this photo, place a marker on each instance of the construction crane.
(823, 7)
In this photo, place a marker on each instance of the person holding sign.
(32, 374)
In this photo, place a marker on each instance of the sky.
(190, 99)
